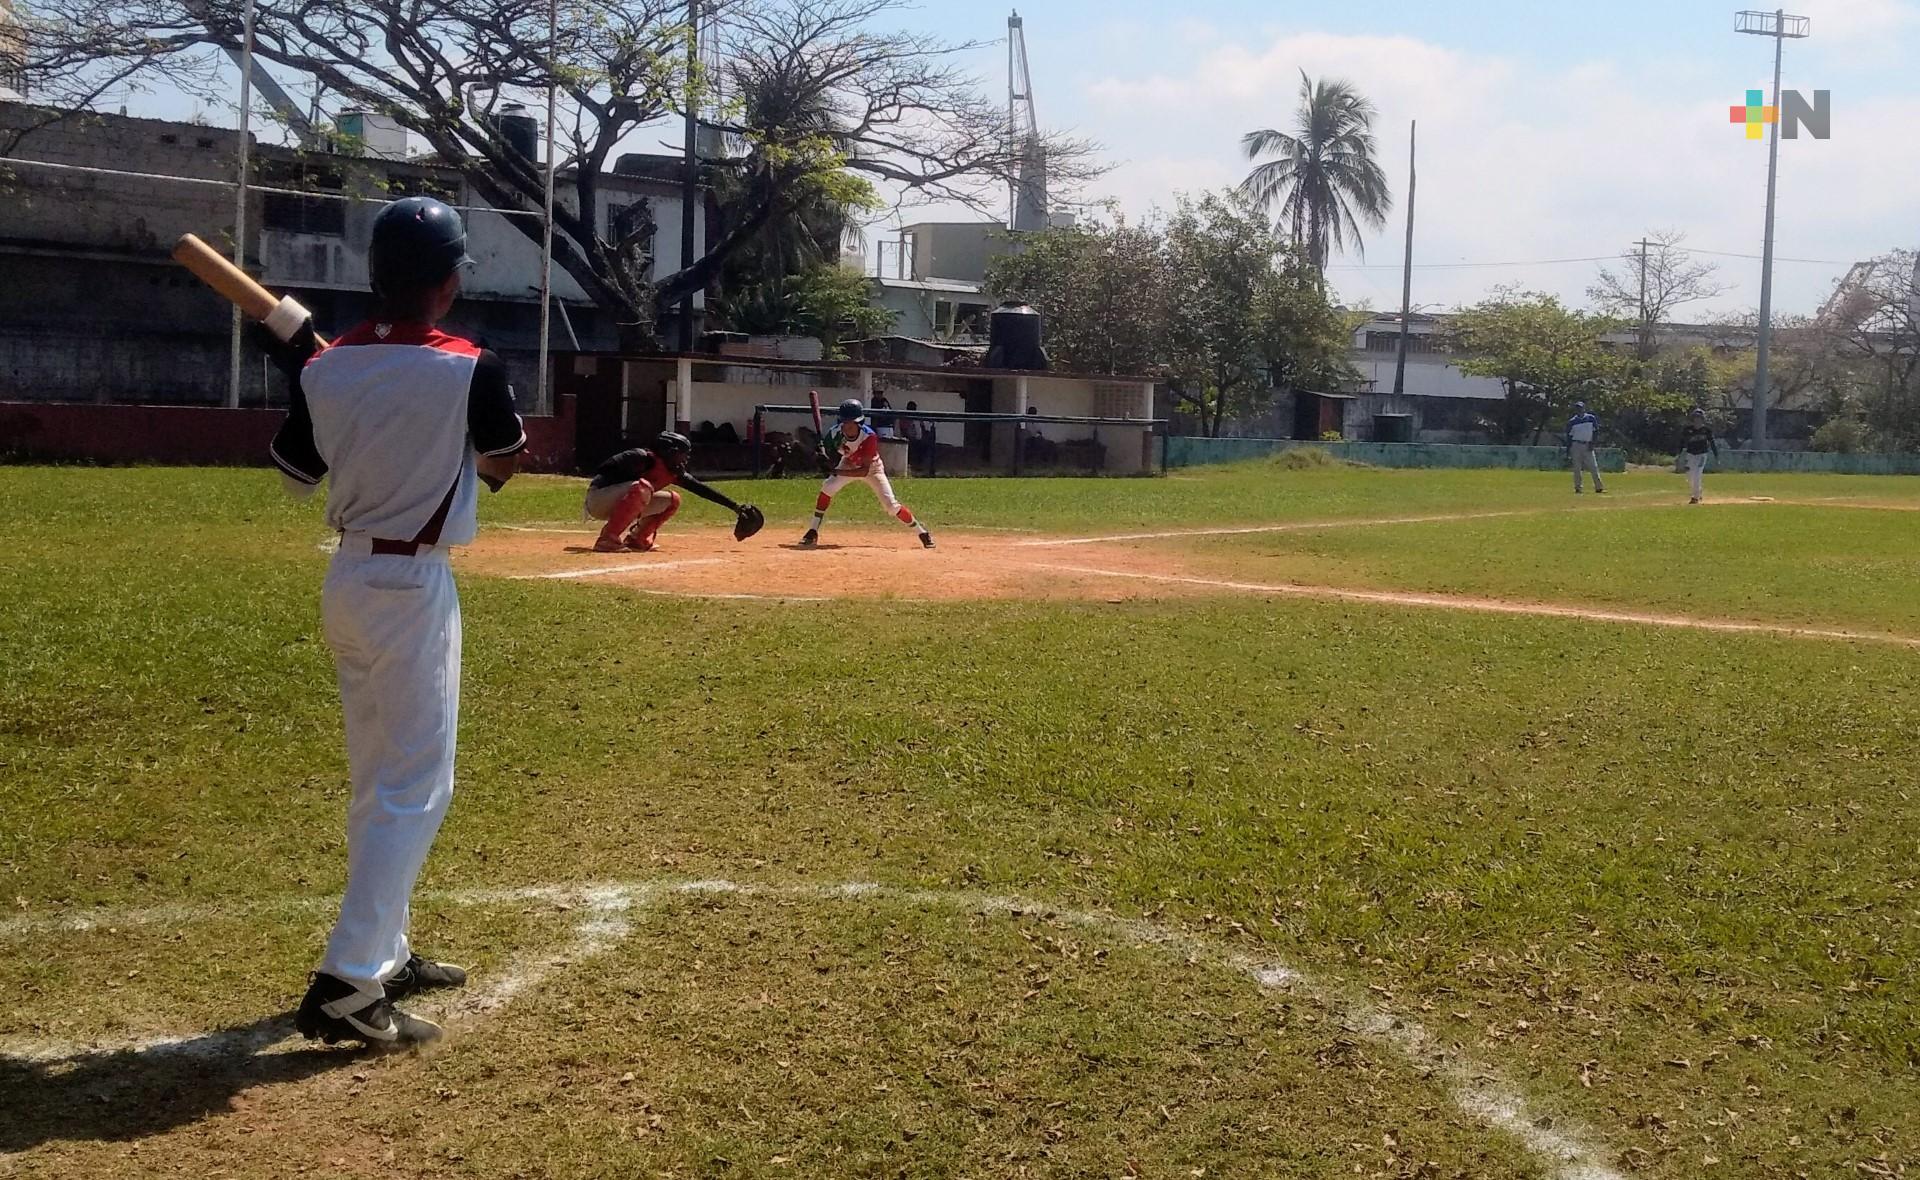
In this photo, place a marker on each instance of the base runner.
(401, 418)
(853, 453)
(633, 493)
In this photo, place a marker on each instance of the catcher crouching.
(633, 492)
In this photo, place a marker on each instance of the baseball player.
(401, 417)
(1581, 429)
(633, 493)
(1696, 442)
(852, 452)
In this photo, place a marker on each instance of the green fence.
(1818, 462)
(1184, 451)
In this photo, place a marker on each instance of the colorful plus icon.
(1754, 114)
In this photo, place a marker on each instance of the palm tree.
(1324, 178)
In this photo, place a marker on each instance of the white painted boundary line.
(1495, 606)
(1569, 1153)
(632, 568)
(1316, 525)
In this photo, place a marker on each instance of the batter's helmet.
(851, 410)
(417, 243)
(674, 449)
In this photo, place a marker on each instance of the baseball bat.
(282, 315)
(813, 396)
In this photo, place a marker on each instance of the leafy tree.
(1324, 178)
(1547, 357)
(1101, 290)
(1219, 256)
(853, 99)
(1211, 298)
(1305, 338)
(828, 302)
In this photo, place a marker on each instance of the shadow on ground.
(129, 1094)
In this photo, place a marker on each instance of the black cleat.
(926, 540)
(419, 975)
(333, 1011)
(811, 539)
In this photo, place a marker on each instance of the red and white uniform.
(860, 462)
(392, 414)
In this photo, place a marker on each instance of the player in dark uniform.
(633, 492)
(402, 419)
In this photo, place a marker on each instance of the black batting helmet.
(674, 449)
(417, 243)
(851, 410)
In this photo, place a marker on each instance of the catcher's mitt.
(750, 521)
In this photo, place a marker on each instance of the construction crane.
(1027, 190)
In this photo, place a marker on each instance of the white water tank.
(379, 135)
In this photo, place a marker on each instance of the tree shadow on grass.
(123, 1094)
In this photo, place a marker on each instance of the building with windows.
(95, 310)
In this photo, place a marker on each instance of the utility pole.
(1646, 329)
(544, 390)
(689, 189)
(1406, 271)
(1778, 25)
(240, 199)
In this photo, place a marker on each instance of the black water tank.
(1013, 338)
(521, 131)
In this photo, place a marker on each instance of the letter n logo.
(1794, 111)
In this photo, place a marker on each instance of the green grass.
(1664, 881)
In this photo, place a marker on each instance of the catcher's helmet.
(674, 449)
(417, 242)
(851, 410)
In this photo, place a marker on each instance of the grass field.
(1229, 883)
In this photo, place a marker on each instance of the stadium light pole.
(240, 200)
(1780, 26)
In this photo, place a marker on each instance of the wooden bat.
(813, 397)
(282, 316)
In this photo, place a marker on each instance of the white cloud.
(1858, 20)
(1511, 170)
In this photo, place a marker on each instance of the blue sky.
(1547, 131)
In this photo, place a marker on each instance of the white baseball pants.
(394, 626)
(882, 487)
(1696, 475)
(1583, 462)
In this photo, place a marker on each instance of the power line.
(1566, 261)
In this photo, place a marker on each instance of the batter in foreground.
(402, 417)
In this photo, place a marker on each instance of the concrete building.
(96, 311)
(1446, 405)
(620, 399)
(936, 287)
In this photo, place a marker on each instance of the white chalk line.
(1316, 525)
(1571, 1153)
(643, 567)
(1498, 606)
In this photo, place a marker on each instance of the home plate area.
(853, 562)
(658, 1027)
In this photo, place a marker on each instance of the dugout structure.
(750, 414)
(1016, 444)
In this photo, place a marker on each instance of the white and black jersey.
(394, 414)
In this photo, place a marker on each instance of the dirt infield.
(849, 563)
(890, 564)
